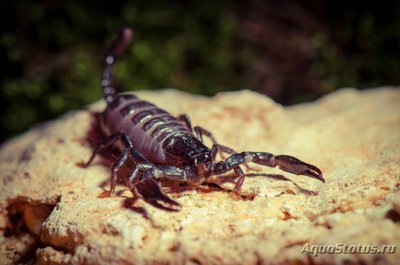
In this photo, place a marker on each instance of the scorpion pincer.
(165, 147)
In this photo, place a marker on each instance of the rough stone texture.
(50, 213)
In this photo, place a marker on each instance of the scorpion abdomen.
(164, 147)
(147, 126)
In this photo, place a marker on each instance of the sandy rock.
(50, 213)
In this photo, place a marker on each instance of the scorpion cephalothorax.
(164, 147)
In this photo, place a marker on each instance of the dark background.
(293, 51)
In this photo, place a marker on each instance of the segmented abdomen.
(146, 125)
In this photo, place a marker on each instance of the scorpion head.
(202, 164)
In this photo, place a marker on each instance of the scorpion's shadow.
(107, 156)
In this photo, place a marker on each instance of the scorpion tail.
(116, 49)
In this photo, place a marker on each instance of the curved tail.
(116, 49)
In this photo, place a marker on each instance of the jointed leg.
(239, 182)
(221, 149)
(216, 147)
(110, 140)
(129, 151)
(185, 119)
(143, 183)
(105, 142)
(287, 163)
(199, 131)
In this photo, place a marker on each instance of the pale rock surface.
(50, 213)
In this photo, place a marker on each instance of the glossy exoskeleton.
(165, 147)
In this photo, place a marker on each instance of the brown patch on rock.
(51, 213)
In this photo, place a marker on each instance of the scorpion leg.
(143, 184)
(129, 151)
(287, 163)
(199, 134)
(216, 147)
(186, 120)
(106, 142)
(110, 140)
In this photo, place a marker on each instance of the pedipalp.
(166, 147)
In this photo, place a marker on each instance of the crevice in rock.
(17, 226)
(24, 220)
(287, 216)
(195, 261)
(393, 216)
(297, 243)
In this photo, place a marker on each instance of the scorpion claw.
(150, 191)
(298, 167)
(316, 173)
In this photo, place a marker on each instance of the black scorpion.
(164, 147)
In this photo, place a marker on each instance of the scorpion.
(162, 146)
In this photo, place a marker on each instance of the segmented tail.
(116, 49)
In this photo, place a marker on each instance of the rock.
(50, 213)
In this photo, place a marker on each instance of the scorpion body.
(150, 129)
(165, 147)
